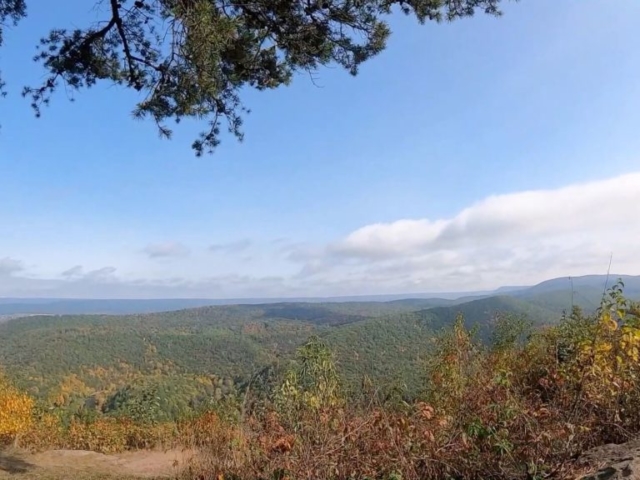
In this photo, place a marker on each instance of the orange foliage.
(15, 411)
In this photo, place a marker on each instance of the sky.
(467, 156)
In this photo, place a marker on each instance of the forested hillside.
(202, 355)
(483, 389)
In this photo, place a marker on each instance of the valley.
(442, 385)
(199, 356)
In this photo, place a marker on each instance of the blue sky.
(350, 187)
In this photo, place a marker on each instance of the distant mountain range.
(554, 295)
(85, 344)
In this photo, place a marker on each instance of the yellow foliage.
(611, 354)
(105, 435)
(44, 432)
(15, 411)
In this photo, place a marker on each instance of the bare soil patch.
(81, 464)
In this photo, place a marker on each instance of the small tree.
(606, 365)
(138, 404)
(312, 382)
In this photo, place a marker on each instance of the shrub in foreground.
(521, 408)
(515, 410)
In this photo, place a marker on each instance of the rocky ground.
(614, 462)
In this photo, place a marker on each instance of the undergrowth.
(523, 407)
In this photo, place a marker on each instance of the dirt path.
(82, 465)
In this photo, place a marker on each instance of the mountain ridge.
(383, 340)
(62, 306)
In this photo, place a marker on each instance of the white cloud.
(103, 274)
(166, 250)
(104, 283)
(99, 275)
(232, 247)
(73, 272)
(517, 238)
(9, 266)
(594, 212)
(511, 238)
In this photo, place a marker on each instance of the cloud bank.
(515, 238)
(590, 211)
(512, 238)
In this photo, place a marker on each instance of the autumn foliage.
(15, 411)
(522, 407)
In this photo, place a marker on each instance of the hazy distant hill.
(599, 282)
(53, 306)
(560, 294)
(386, 341)
(587, 291)
(12, 306)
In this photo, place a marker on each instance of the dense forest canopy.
(193, 57)
(200, 355)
